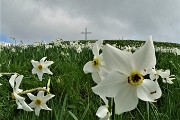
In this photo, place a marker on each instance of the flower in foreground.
(103, 113)
(126, 83)
(41, 67)
(15, 82)
(96, 67)
(39, 101)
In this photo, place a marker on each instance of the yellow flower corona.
(12, 96)
(135, 78)
(95, 62)
(40, 67)
(38, 102)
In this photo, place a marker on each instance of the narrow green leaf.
(63, 107)
(75, 118)
(85, 112)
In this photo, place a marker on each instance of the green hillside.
(72, 87)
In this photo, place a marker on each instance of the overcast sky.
(37, 20)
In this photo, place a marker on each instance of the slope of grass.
(73, 88)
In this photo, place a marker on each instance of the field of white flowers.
(90, 80)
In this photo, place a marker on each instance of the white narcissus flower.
(167, 78)
(126, 83)
(165, 75)
(154, 75)
(177, 51)
(39, 101)
(103, 113)
(41, 67)
(128, 48)
(15, 82)
(97, 66)
(78, 49)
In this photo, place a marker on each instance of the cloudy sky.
(37, 20)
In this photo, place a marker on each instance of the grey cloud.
(48, 19)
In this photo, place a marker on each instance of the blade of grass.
(85, 112)
(63, 107)
(140, 114)
(75, 118)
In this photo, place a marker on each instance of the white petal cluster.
(167, 78)
(15, 82)
(41, 67)
(39, 101)
(103, 113)
(126, 83)
(155, 74)
(97, 67)
(79, 50)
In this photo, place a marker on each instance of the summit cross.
(86, 33)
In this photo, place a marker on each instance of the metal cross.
(86, 33)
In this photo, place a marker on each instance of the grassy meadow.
(74, 99)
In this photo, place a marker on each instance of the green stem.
(48, 85)
(147, 105)
(112, 108)
(33, 90)
(8, 73)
